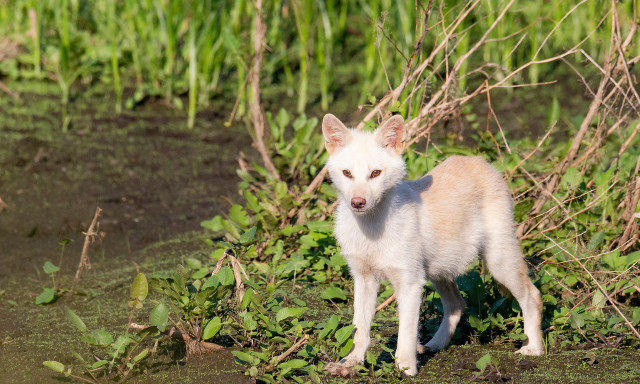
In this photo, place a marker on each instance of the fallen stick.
(384, 304)
(84, 257)
(289, 351)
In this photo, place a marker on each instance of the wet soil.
(153, 179)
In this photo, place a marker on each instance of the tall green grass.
(171, 48)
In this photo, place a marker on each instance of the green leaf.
(282, 118)
(596, 240)
(140, 287)
(141, 355)
(320, 226)
(121, 344)
(245, 358)
(636, 316)
(329, 327)
(101, 337)
(47, 296)
(554, 112)
(344, 333)
(247, 236)
(293, 364)
(99, 363)
(332, 293)
(571, 178)
(238, 215)
(212, 328)
(159, 316)
(56, 366)
(478, 324)
(77, 321)
(285, 313)
(482, 362)
(599, 300)
(346, 348)
(214, 224)
(223, 277)
(64, 242)
(49, 268)
(193, 263)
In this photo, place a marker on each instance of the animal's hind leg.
(504, 260)
(453, 305)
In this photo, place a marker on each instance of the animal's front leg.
(364, 307)
(409, 297)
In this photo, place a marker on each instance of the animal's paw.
(341, 368)
(409, 368)
(531, 350)
(435, 344)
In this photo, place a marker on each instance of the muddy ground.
(156, 181)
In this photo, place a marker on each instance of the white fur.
(410, 231)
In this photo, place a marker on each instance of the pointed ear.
(336, 135)
(391, 134)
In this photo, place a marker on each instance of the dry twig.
(254, 78)
(89, 236)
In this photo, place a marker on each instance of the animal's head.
(364, 165)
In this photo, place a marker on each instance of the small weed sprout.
(115, 359)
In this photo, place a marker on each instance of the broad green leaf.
(56, 366)
(247, 236)
(320, 226)
(482, 362)
(214, 224)
(346, 348)
(332, 293)
(101, 337)
(245, 358)
(571, 177)
(329, 327)
(193, 263)
(77, 321)
(293, 364)
(596, 240)
(140, 287)
(478, 324)
(121, 344)
(223, 277)
(64, 242)
(212, 328)
(344, 333)
(47, 296)
(285, 313)
(599, 300)
(282, 118)
(159, 316)
(238, 215)
(636, 316)
(50, 268)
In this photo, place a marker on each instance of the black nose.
(358, 202)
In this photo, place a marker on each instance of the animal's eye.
(376, 173)
(347, 173)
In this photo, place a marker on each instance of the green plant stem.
(193, 77)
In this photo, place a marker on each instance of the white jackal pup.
(410, 231)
